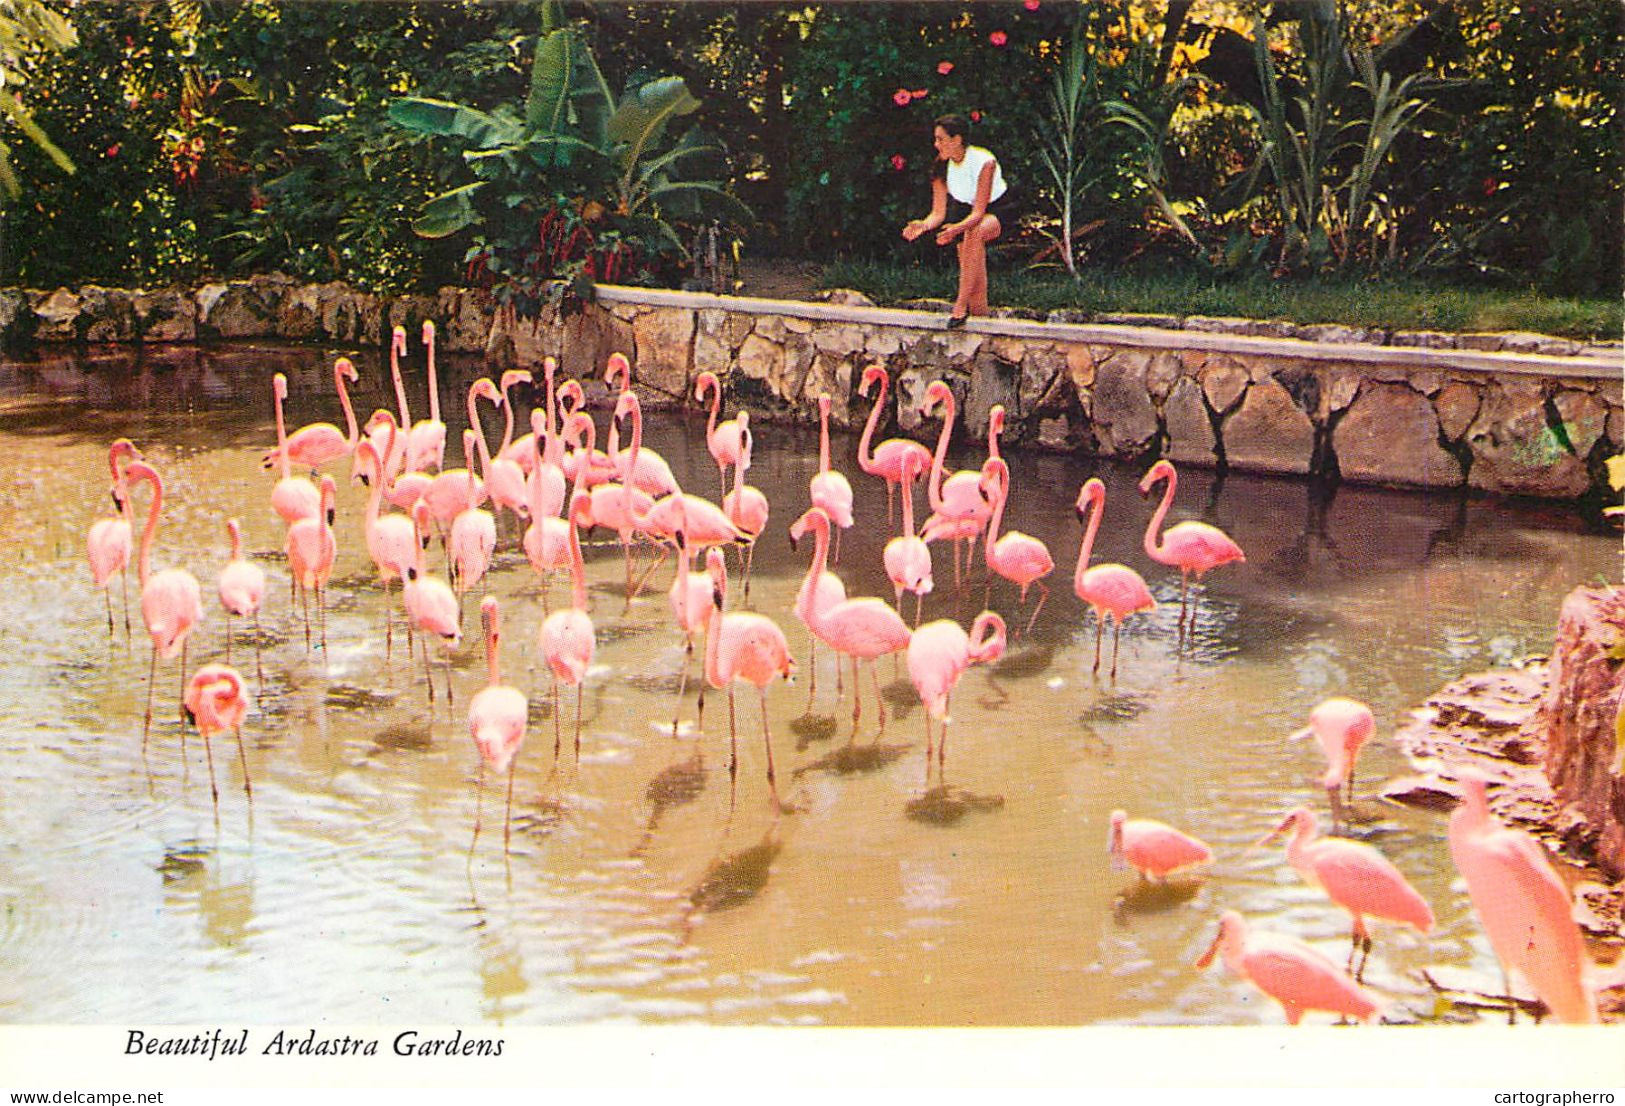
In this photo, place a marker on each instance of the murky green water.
(641, 887)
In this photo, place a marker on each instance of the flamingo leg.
(321, 616)
(242, 757)
(1100, 625)
(107, 593)
(1042, 599)
(767, 743)
(507, 817)
(580, 690)
(942, 737)
(1117, 635)
(733, 736)
(428, 675)
(812, 669)
(152, 674)
(750, 555)
(304, 598)
(450, 701)
(185, 645)
(208, 749)
(259, 664)
(857, 697)
(389, 626)
(228, 635)
(919, 603)
(557, 733)
(682, 684)
(880, 702)
(479, 794)
(124, 585)
(836, 559)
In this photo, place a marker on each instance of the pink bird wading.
(938, 654)
(473, 536)
(312, 550)
(497, 717)
(431, 606)
(829, 489)
(725, 441)
(315, 444)
(740, 645)
(110, 540)
(293, 497)
(959, 509)
(1192, 547)
(505, 481)
(567, 637)
(618, 505)
(691, 607)
(643, 468)
(171, 600)
(1341, 726)
(426, 440)
(1110, 589)
(892, 458)
(242, 590)
(1154, 849)
(1287, 970)
(746, 506)
(392, 541)
(217, 702)
(907, 557)
(1020, 558)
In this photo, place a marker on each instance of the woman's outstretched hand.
(914, 229)
(949, 233)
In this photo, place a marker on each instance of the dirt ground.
(778, 279)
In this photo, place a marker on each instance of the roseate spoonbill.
(1111, 589)
(393, 450)
(866, 628)
(426, 441)
(1341, 726)
(392, 540)
(908, 557)
(616, 505)
(171, 600)
(217, 701)
(431, 606)
(690, 596)
(746, 506)
(1192, 547)
(241, 588)
(473, 536)
(293, 497)
(567, 637)
(497, 717)
(1523, 905)
(316, 443)
(959, 498)
(829, 489)
(1356, 877)
(938, 654)
(504, 478)
(110, 540)
(740, 645)
(1287, 970)
(312, 548)
(724, 440)
(890, 457)
(1020, 558)
(1154, 849)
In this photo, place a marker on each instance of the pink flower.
(898, 162)
(975, 117)
(998, 38)
(945, 67)
(1495, 25)
(1031, 5)
(901, 97)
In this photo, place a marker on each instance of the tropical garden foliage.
(403, 145)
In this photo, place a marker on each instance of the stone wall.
(1512, 413)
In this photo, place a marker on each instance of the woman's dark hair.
(955, 125)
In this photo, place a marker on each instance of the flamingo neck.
(908, 499)
(1001, 496)
(866, 459)
(352, 431)
(1096, 506)
(236, 534)
(479, 436)
(713, 633)
(493, 671)
(993, 439)
(1153, 543)
(507, 421)
(154, 509)
(434, 387)
(375, 494)
(823, 437)
(986, 636)
(716, 408)
(400, 385)
(468, 461)
(281, 434)
(578, 567)
(935, 487)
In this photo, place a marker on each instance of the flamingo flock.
(557, 486)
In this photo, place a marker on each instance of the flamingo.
(1355, 876)
(866, 628)
(1341, 726)
(995, 427)
(1020, 558)
(1192, 547)
(392, 541)
(567, 637)
(473, 536)
(431, 605)
(426, 442)
(1287, 970)
(724, 440)
(829, 488)
(1111, 589)
(957, 502)
(704, 522)
(448, 492)
(1154, 849)
(1523, 905)
(315, 444)
(616, 505)
(241, 587)
(497, 717)
(293, 497)
(890, 458)
(599, 466)
(110, 540)
(312, 549)
(545, 484)
(741, 645)
(401, 489)
(546, 541)
(217, 701)
(504, 477)
(645, 470)
(171, 600)
(393, 450)
(690, 597)
(524, 451)
(908, 557)
(938, 654)
(746, 506)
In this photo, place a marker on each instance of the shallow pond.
(641, 886)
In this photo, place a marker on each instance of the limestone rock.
(1190, 431)
(235, 310)
(665, 346)
(1391, 436)
(1456, 405)
(56, 316)
(758, 357)
(1516, 452)
(1518, 341)
(881, 342)
(467, 313)
(771, 328)
(1584, 419)
(831, 375)
(299, 316)
(1055, 433)
(1080, 363)
(410, 312)
(1065, 316)
(107, 314)
(992, 381)
(788, 379)
(1269, 432)
(911, 384)
(838, 340)
(166, 315)
(1345, 335)
(843, 297)
(1135, 318)
(1161, 372)
(1042, 369)
(15, 316)
(1423, 339)
(795, 324)
(1223, 381)
(1616, 426)
(1122, 415)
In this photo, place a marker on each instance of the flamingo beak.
(411, 574)
(716, 597)
(1212, 950)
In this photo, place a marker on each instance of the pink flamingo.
(315, 444)
(1020, 558)
(312, 549)
(392, 451)
(293, 497)
(863, 629)
(644, 470)
(547, 540)
(1192, 547)
(938, 654)
(746, 506)
(504, 478)
(958, 501)
(1287, 970)
(1354, 876)
(908, 557)
(1154, 849)
(704, 522)
(1523, 905)
(497, 717)
(473, 536)
(431, 605)
(401, 489)
(995, 427)
(171, 600)
(616, 505)
(690, 596)
(599, 467)
(1111, 589)
(241, 588)
(829, 488)
(448, 493)
(546, 482)
(110, 540)
(567, 636)
(724, 440)
(217, 701)
(740, 645)
(392, 541)
(525, 451)
(890, 458)
(1341, 726)
(426, 442)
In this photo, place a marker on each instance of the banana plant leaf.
(449, 212)
(446, 119)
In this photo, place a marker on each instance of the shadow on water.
(810, 727)
(736, 878)
(1154, 897)
(946, 804)
(852, 758)
(673, 786)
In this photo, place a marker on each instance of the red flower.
(901, 97)
(975, 117)
(112, 151)
(1491, 186)
(920, 95)
(1031, 5)
(898, 162)
(945, 67)
(998, 38)
(1495, 25)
